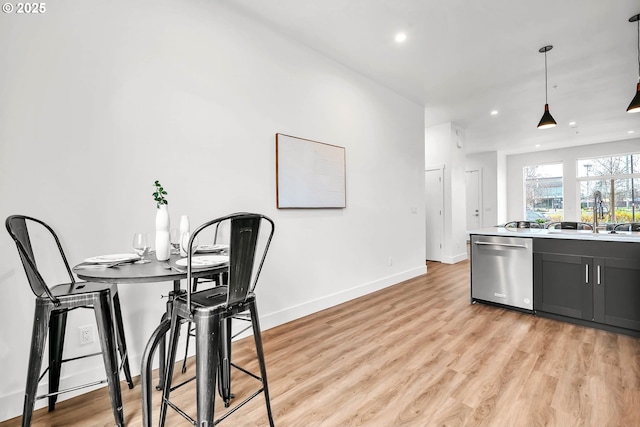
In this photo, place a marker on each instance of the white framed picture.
(309, 174)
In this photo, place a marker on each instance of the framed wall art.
(309, 174)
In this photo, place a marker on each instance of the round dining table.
(149, 272)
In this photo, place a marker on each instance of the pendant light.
(634, 107)
(547, 120)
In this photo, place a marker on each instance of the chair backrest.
(246, 253)
(522, 224)
(18, 228)
(569, 225)
(629, 226)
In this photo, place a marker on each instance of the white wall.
(566, 156)
(502, 188)
(441, 148)
(101, 98)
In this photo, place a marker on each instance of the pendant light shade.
(634, 107)
(547, 120)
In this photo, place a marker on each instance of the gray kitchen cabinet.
(594, 282)
(616, 291)
(562, 285)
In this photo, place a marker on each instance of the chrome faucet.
(597, 207)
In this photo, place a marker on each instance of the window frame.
(625, 176)
(524, 186)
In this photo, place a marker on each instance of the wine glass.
(184, 244)
(175, 241)
(141, 246)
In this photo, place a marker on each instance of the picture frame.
(309, 174)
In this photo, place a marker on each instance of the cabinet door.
(563, 284)
(617, 292)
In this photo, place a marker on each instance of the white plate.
(107, 259)
(212, 248)
(204, 261)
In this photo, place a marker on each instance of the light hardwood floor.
(418, 354)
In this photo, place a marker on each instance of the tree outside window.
(617, 178)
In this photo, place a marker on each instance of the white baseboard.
(455, 259)
(291, 313)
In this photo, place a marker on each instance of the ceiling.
(462, 59)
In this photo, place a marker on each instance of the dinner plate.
(204, 261)
(211, 248)
(107, 259)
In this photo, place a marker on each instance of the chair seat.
(214, 301)
(79, 288)
(209, 297)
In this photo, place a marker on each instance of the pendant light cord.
(638, 22)
(546, 100)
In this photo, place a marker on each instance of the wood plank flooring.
(417, 354)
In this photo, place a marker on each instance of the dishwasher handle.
(508, 245)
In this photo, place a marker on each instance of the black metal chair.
(629, 226)
(50, 317)
(522, 224)
(211, 308)
(568, 225)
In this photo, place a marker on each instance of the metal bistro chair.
(629, 226)
(50, 316)
(568, 225)
(208, 309)
(522, 224)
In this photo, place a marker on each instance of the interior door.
(434, 211)
(474, 212)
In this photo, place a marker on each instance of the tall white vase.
(163, 238)
(184, 230)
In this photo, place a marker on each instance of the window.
(618, 179)
(543, 192)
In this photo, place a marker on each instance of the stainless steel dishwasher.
(502, 270)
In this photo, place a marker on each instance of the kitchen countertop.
(620, 236)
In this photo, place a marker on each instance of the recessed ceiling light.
(572, 123)
(401, 37)
(537, 145)
(494, 113)
(630, 132)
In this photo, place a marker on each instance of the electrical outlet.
(86, 334)
(390, 261)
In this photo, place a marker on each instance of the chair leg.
(38, 337)
(224, 365)
(122, 342)
(255, 322)
(57, 327)
(103, 310)
(170, 363)
(207, 336)
(186, 348)
(162, 348)
(146, 375)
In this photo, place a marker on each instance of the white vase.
(184, 229)
(163, 237)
